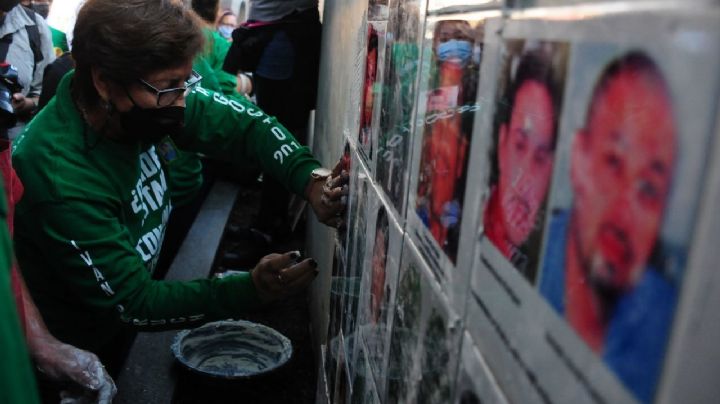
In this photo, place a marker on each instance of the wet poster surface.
(525, 131)
(448, 92)
(616, 237)
(372, 88)
(589, 250)
(399, 95)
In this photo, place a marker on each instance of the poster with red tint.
(396, 123)
(524, 135)
(448, 102)
(378, 288)
(601, 305)
(371, 91)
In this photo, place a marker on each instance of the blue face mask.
(226, 31)
(455, 49)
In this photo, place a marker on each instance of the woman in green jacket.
(94, 163)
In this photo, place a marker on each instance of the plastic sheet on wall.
(597, 304)
(372, 88)
(402, 55)
(447, 105)
(360, 188)
(425, 337)
(378, 287)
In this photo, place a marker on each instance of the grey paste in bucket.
(232, 349)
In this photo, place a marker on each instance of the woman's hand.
(63, 362)
(23, 105)
(280, 275)
(328, 197)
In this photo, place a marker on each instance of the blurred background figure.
(280, 45)
(59, 39)
(226, 24)
(26, 44)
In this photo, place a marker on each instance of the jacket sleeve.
(237, 131)
(101, 267)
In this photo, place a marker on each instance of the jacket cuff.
(237, 293)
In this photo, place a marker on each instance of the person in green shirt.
(94, 164)
(23, 334)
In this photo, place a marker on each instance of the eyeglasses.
(168, 96)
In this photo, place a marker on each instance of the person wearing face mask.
(94, 164)
(226, 24)
(26, 44)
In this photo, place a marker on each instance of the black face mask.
(7, 5)
(152, 124)
(41, 8)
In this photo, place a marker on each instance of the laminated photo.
(380, 280)
(448, 86)
(357, 230)
(622, 211)
(447, 106)
(425, 342)
(402, 55)
(371, 92)
(628, 173)
(404, 341)
(525, 129)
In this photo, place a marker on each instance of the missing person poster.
(524, 134)
(599, 307)
(447, 105)
(379, 285)
(402, 55)
(372, 88)
(360, 190)
(424, 344)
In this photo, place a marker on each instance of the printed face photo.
(450, 97)
(609, 268)
(622, 164)
(405, 329)
(402, 55)
(522, 157)
(369, 91)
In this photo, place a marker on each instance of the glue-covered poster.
(399, 96)
(525, 131)
(371, 92)
(448, 100)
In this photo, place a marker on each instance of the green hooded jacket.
(91, 222)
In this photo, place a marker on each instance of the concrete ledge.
(148, 375)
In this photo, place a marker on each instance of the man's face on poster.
(622, 164)
(525, 159)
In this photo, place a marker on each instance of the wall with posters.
(532, 206)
